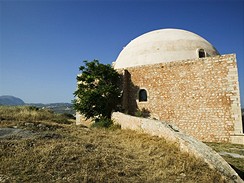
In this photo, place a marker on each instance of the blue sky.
(43, 43)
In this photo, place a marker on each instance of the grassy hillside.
(49, 149)
(31, 113)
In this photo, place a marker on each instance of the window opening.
(201, 53)
(142, 95)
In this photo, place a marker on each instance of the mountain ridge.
(10, 100)
(58, 107)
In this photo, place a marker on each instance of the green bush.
(68, 115)
(33, 108)
(103, 123)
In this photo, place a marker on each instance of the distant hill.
(56, 107)
(10, 100)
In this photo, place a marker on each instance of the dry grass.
(69, 153)
(98, 155)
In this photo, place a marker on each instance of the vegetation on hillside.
(59, 152)
(31, 113)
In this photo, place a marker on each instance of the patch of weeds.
(69, 116)
(50, 136)
(61, 120)
(115, 127)
(144, 113)
(102, 123)
(39, 126)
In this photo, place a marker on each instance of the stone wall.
(200, 96)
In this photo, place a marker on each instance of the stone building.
(178, 77)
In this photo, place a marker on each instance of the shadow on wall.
(242, 122)
(130, 97)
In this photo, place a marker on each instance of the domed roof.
(164, 45)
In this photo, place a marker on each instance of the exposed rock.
(15, 132)
(234, 155)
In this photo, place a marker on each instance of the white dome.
(164, 45)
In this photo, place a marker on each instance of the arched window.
(142, 95)
(201, 53)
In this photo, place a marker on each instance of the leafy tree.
(98, 91)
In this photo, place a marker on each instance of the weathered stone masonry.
(200, 96)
